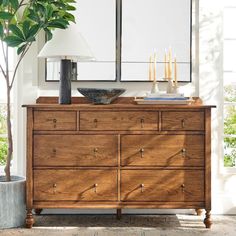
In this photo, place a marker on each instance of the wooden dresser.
(118, 156)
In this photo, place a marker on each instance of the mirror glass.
(97, 23)
(155, 25)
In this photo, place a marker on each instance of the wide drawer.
(162, 185)
(162, 150)
(118, 120)
(75, 150)
(174, 120)
(75, 185)
(56, 120)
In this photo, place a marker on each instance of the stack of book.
(163, 98)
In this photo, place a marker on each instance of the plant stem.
(9, 133)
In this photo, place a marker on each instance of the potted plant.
(20, 23)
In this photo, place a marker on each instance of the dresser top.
(119, 103)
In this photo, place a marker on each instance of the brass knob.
(184, 152)
(142, 152)
(183, 188)
(95, 123)
(142, 122)
(142, 187)
(95, 187)
(183, 123)
(54, 120)
(95, 151)
(54, 188)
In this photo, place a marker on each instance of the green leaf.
(5, 15)
(14, 4)
(21, 49)
(48, 34)
(26, 28)
(33, 30)
(1, 31)
(13, 41)
(16, 31)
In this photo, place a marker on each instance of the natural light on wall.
(229, 84)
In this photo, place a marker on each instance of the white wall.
(207, 82)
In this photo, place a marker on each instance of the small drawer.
(75, 150)
(118, 120)
(162, 150)
(172, 120)
(75, 185)
(56, 120)
(162, 185)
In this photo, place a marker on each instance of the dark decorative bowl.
(101, 96)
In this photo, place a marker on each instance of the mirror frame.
(118, 53)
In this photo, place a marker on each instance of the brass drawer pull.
(54, 152)
(95, 187)
(183, 188)
(95, 121)
(95, 152)
(142, 152)
(183, 123)
(54, 188)
(142, 123)
(142, 188)
(183, 152)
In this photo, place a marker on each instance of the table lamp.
(67, 45)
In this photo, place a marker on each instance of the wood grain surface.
(162, 185)
(123, 120)
(75, 150)
(79, 185)
(55, 120)
(162, 150)
(178, 120)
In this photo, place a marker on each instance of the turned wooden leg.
(118, 214)
(199, 212)
(207, 221)
(38, 211)
(29, 221)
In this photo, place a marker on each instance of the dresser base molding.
(118, 156)
(114, 205)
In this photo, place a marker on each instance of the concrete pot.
(12, 202)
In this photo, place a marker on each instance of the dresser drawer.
(55, 120)
(118, 120)
(162, 150)
(182, 120)
(75, 185)
(75, 150)
(162, 185)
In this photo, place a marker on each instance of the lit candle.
(150, 68)
(170, 64)
(166, 70)
(155, 68)
(175, 71)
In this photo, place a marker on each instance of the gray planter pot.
(12, 202)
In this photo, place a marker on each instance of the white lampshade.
(67, 43)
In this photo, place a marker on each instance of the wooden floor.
(129, 225)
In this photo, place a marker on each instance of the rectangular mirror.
(149, 25)
(97, 23)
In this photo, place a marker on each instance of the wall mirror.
(124, 33)
(155, 25)
(97, 23)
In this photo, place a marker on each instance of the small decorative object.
(101, 96)
(170, 87)
(155, 88)
(68, 46)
